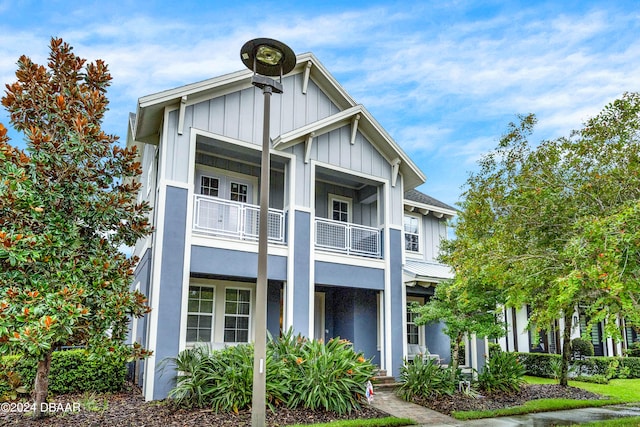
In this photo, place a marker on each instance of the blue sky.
(444, 78)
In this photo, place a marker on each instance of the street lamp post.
(266, 58)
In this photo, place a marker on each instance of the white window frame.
(342, 199)
(225, 178)
(421, 328)
(419, 233)
(236, 315)
(199, 313)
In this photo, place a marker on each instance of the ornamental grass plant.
(300, 373)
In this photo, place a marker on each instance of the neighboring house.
(524, 338)
(351, 241)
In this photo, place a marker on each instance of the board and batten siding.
(238, 115)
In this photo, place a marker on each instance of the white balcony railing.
(234, 219)
(344, 237)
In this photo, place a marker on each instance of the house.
(523, 337)
(350, 239)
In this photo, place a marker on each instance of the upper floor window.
(339, 208)
(412, 233)
(209, 186)
(239, 192)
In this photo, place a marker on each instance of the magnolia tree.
(67, 204)
(554, 225)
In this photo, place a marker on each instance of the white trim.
(172, 183)
(183, 104)
(289, 291)
(217, 334)
(230, 177)
(354, 128)
(421, 236)
(312, 251)
(134, 320)
(186, 270)
(387, 279)
(305, 79)
(221, 242)
(156, 261)
(357, 261)
(405, 348)
(421, 328)
(341, 199)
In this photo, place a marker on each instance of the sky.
(444, 78)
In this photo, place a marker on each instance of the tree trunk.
(566, 351)
(454, 355)
(41, 386)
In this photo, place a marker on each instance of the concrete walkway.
(387, 401)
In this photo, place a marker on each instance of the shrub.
(633, 350)
(581, 348)
(425, 379)
(300, 372)
(72, 371)
(538, 364)
(503, 372)
(494, 348)
(330, 376)
(596, 379)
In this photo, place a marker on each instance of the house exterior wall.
(169, 290)
(222, 133)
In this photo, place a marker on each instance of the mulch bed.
(460, 402)
(128, 408)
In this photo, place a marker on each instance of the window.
(209, 186)
(412, 233)
(415, 333)
(237, 309)
(239, 192)
(200, 313)
(412, 328)
(339, 208)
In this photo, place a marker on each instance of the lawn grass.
(373, 422)
(618, 422)
(617, 391)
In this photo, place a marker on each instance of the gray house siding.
(327, 273)
(396, 240)
(170, 289)
(435, 230)
(142, 276)
(234, 264)
(351, 314)
(301, 273)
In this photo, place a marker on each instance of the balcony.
(226, 218)
(347, 238)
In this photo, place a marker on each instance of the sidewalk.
(387, 401)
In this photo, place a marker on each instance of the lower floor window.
(200, 313)
(218, 313)
(236, 315)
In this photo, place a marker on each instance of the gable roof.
(417, 199)
(150, 112)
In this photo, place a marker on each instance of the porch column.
(302, 280)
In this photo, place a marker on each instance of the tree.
(67, 205)
(464, 310)
(524, 220)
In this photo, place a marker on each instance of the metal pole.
(258, 405)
